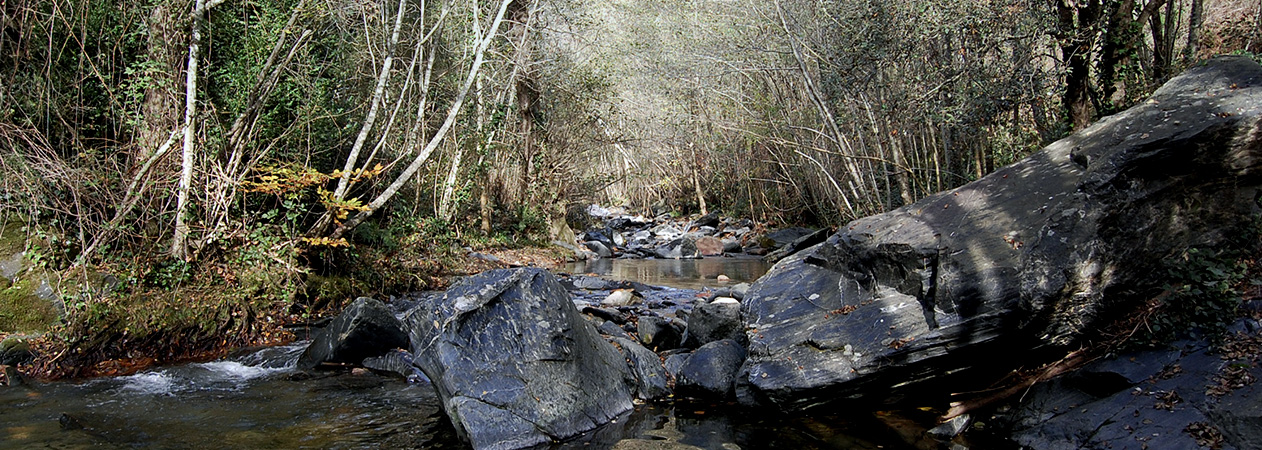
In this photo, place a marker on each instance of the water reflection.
(694, 274)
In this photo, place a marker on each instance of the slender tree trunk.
(827, 116)
(374, 105)
(696, 180)
(1076, 23)
(452, 112)
(179, 242)
(449, 186)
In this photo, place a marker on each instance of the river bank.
(119, 319)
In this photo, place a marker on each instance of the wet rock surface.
(713, 321)
(1189, 396)
(710, 371)
(514, 362)
(1033, 257)
(365, 329)
(652, 381)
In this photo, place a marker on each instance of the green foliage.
(1203, 297)
(1255, 56)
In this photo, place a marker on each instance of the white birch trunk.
(452, 113)
(343, 184)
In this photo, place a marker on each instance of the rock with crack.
(514, 362)
(652, 381)
(1020, 265)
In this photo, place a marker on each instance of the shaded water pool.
(694, 274)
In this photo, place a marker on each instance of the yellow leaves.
(290, 180)
(358, 175)
(279, 180)
(325, 242)
(341, 208)
(287, 179)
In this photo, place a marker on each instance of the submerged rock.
(515, 364)
(365, 329)
(1033, 257)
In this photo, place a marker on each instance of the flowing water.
(257, 400)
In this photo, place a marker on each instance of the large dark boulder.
(710, 372)
(514, 362)
(1017, 266)
(365, 329)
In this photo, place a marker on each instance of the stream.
(256, 399)
(695, 274)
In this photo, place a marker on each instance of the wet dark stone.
(676, 361)
(514, 362)
(681, 248)
(713, 321)
(1026, 262)
(652, 381)
(609, 328)
(609, 314)
(365, 329)
(786, 236)
(397, 362)
(799, 244)
(659, 333)
(15, 350)
(600, 249)
(709, 220)
(710, 372)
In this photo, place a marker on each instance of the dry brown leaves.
(1244, 351)
(1206, 435)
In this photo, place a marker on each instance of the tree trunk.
(452, 112)
(161, 113)
(374, 105)
(1121, 32)
(1195, 18)
(827, 116)
(696, 180)
(1162, 28)
(1076, 35)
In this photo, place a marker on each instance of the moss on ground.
(21, 311)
